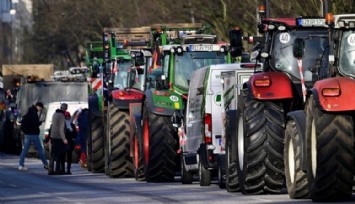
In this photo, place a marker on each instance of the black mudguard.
(300, 118)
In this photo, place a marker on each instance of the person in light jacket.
(58, 140)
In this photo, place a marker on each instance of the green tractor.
(108, 142)
(162, 116)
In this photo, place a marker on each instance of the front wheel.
(97, 145)
(331, 154)
(204, 175)
(296, 179)
(186, 176)
(120, 162)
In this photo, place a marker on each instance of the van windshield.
(189, 62)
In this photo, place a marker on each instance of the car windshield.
(347, 54)
(120, 80)
(316, 47)
(187, 63)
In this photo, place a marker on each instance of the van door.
(194, 110)
(214, 105)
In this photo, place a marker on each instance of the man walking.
(30, 127)
(58, 140)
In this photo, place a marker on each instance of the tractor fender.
(94, 105)
(156, 109)
(344, 101)
(279, 86)
(299, 117)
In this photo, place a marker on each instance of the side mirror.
(298, 48)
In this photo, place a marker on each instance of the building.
(15, 29)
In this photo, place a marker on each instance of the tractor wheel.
(296, 179)
(204, 175)
(186, 176)
(89, 151)
(138, 158)
(331, 153)
(260, 156)
(221, 171)
(232, 184)
(120, 163)
(161, 150)
(97, 136)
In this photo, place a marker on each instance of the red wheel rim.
(136, 152)
(146, 141)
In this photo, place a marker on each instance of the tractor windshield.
(347, 54)
(120, 77)
(137, 78)
(316, 48)
(187, 63)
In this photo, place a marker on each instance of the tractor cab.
(343, 41)
(181, 60)
(292, 44)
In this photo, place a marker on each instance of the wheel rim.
(136, 152)
(240, 142)
(314, 148)
(291, 161)
(146, 141)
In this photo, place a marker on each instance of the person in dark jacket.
(30, 127)
(58, 140)
(70, 135)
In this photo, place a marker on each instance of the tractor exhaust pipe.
(267, 8)
(324, 7)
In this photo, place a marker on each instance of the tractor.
(256, 144)
(319, 140)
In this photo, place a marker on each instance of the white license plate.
(201, 48)
(313, 22)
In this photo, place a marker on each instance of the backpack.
(25, 123)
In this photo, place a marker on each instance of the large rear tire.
(296, 179)
(97, 136)
(232, 183)
(163, 144)
(120, 163)
(138, 157)
(261, 169)
(331, 153)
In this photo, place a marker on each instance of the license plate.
(312, 22)
(201, 48)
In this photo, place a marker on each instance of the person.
(58, 140)
(30, 127)
(70, 135)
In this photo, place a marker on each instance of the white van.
(51, 108)
(202, 144)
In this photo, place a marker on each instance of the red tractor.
(320, 140)
(257, 143)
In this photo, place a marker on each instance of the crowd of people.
(63, 136)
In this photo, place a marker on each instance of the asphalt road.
(35, 186)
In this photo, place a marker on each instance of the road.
(35, 186)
